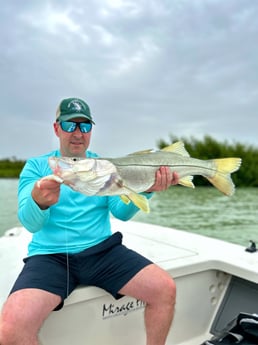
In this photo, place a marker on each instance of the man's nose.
(77, 132)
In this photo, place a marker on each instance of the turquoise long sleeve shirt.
(75, 222)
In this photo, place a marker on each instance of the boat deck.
(205, 270)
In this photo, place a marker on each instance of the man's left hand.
(164, 179)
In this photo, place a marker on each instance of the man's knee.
(23, 314)
(7, 332)
(171, 289)
(167, 290)
(14, 331)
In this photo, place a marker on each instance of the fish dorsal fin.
(177, 147)
(141, 152)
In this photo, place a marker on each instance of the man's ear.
(56, 127)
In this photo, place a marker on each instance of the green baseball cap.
(70, 108)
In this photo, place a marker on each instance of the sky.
(148, 69)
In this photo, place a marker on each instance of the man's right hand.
(46, 193)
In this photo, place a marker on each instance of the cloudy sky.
(148, 69)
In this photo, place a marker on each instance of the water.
(206, 211)
(8, 204)
(201, 210)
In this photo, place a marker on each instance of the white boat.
(215, 281)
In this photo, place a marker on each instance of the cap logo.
(75, 105)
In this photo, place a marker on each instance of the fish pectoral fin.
(125, 199)
(187, 181)
(177, 147)
(140, 201)
(137, 199)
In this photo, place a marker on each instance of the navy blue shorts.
(108, 265)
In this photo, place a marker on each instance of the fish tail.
(222, 178)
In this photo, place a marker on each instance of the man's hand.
(46, 193)
(164, 179)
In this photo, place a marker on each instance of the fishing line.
(66, 251)
(67, 257)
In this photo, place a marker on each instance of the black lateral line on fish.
(167, 165)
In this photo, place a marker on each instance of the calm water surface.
(200, 210)
(206, 211)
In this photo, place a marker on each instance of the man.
(67, 225)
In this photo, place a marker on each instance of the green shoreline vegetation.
(207, 148)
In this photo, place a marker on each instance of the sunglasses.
(69, 126)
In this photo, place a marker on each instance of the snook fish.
(129, 175)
